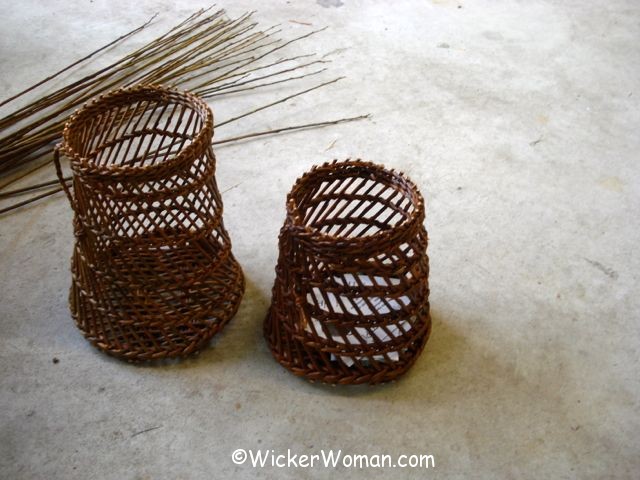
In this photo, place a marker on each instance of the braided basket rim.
(416, 217)
(120, 95)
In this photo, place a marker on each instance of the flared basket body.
(350, 302)
(153, 275)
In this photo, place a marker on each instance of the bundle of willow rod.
(207, 54)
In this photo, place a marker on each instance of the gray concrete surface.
(519, 121)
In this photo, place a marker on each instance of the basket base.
(135, 332)
(309, 360)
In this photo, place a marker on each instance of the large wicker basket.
(153, 273)
(351, 297)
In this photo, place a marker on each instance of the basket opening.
(136, 133)
(356, 204)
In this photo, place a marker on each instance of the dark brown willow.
(351, 298)
(153, 273)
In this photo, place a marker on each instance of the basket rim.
(416, 217)
(86, 165)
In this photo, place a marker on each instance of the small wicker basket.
(153, 273)
(351, 297)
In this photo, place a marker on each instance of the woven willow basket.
(351, 297)
(153, 273)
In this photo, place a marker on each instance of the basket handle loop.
(63, 183)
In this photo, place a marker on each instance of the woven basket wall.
(351, 297)
(153, 273)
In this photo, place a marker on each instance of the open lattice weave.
(351, 297)
(153, 273)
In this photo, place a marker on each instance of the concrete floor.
(518, 120)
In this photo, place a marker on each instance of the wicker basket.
(351, 297)
(153, 273)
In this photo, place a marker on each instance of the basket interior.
(355, 203)
(135, 132)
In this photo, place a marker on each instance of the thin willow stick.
(18, 191)
(288, 129)
(28, 172)
(257, 79)
(261, 85)
(31, 200)
(282, 100)
(262, 67)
